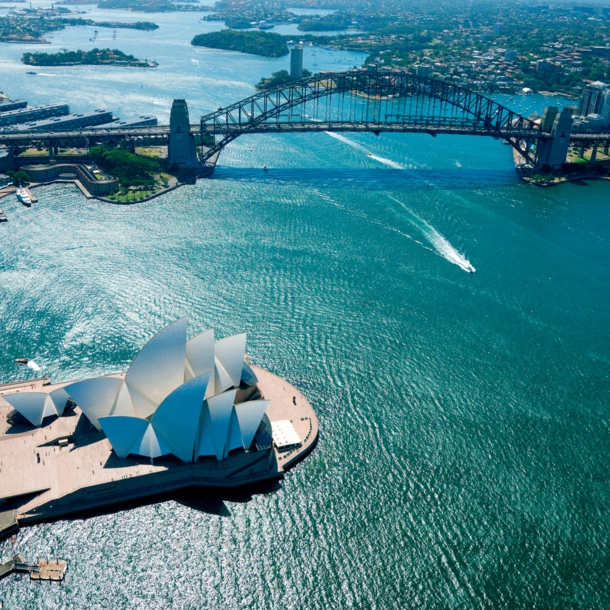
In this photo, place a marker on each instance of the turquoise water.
(464, 418)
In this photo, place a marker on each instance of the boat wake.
(32, 365)
(357, 146)
(438, 242)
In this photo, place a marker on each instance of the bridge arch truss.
(375, 101)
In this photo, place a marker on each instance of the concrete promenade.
(41, 479)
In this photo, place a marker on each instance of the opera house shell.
(191, 399)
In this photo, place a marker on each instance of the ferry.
(23, 196)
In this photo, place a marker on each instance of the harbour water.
(463, 459)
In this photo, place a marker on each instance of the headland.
(67, 467)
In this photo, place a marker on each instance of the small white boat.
(23, 196)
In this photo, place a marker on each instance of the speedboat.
(23, 196)
(470, 269)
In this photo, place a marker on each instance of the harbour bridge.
(351, 101)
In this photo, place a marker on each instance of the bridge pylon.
(553, 151)
(181, 150)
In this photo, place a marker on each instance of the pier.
(44, 570)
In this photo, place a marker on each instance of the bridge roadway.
(431, 127)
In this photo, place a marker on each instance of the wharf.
(68, 467)
(43, 570)
(31, 195)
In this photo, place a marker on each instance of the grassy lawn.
(150, 151)
(132, 196)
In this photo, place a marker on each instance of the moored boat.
(23, 196)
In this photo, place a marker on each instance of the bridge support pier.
(581, 150)
(553, 151)
(606, 144)
(594, 153)
(181, 149)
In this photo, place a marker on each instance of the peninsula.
(201, 416)
(95, 57)
(23, 29)
(252, 42)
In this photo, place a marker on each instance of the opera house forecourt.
(187, 413)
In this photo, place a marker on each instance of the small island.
(253, 43)
(138, 25)
(95, 57)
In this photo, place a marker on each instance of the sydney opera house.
(188, 412)
(191, 399)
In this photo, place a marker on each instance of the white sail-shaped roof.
(95, 397)
(230, 353)
(206, 443)
(234, 435)
(34, 406)
(200, 355)
(60, 399)
(123, 432)
(220, 408)
(177, 418)
(222, 380)
(151, 445)
(249, 415)
(142, 406)
(159, 367)
(123, 405)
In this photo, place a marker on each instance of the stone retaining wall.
(47, 173)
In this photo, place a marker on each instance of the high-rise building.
(510, 55)
(424, 71)
(593, 99)
(542, 65)
(296, 61)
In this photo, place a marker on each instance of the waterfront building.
(141, 121)
(423, 70)
(191, 399)
(6, 105)
(25, 115)
(542, 65)
(592, 100)
(296, 61)
(70, 121)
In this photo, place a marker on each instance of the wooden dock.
(33, 197)
(51, 571)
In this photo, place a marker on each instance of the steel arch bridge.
(372, 101)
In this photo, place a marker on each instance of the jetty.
(43, 570)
